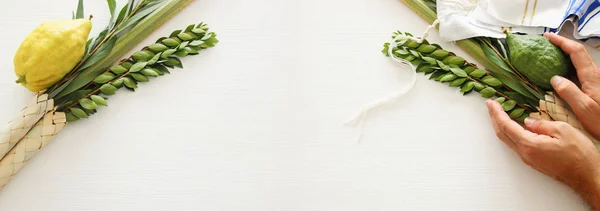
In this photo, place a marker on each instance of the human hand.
(553, 148)
(585, 102)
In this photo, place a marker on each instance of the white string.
(361, 117)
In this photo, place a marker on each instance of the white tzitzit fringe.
(361, 117)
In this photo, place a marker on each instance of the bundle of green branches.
(496, 78)
(100, 74)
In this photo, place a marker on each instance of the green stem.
(87, 56)
(126, 43)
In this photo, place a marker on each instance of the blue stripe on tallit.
(568, 12)
(584, 12)
(591, 8)
(578, 10)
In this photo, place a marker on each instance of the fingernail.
(488, 102)
(556, 80)
(529, 121)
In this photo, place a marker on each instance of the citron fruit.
(50, 51)
(537, 58)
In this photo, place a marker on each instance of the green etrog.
(537, 58)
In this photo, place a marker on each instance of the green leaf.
(200, 42)
(157, 71)
(190, 27)
(139, 77)
(206, 36)
(99, 100)
(88, 104)
(477, 73)
(154, 59)
(467, 87)
(161, 68)
(489, 80)
(149, 72)
(516, 113)
(140, 14)
(118, 69)
(60, 88)
(183, 45)
(115, 21)
(414, 53)
(448, 77)
(191, 51)
(458, 82)
(495, 58)
(127, 64)
(102, 52)
(138, 66)
(171, 42)
(454, 60)
(78, 112)
(158, 47)
(173, 62)
(442, 65)
(487, 92)
(522, 118)
(79, 14)
(142, 56)
(181, 53)
(71, 117)
(129, 83)
(112, 4)
(469, 69)
(108, 89)
(87, 46)
(532, 91)
(436, 74)
(118, 82)
(430, 60)
(175, 33)
(459, 72)
(509, 105)
(500, 100)
(478, 86)
(168, 53)
(104, 78)
(521, 99)
(440, 54)
(426, 48)
(422, 67)
(198, 30)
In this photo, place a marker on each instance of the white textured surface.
(256, 123)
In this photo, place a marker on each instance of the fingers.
(579, 101)
(506, 129)
(541, 126)
(510, 143)
(581, 59)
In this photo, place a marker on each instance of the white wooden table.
(257, 123)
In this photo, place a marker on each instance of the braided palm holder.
(36, 139)
(553, 108)
(14, 130)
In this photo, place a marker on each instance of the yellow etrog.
(49, 52)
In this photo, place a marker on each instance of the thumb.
(543, 127)
(568, 91)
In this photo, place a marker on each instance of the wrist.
(588, 188)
